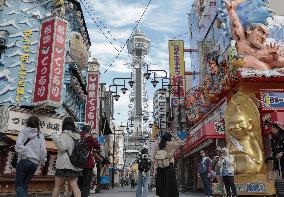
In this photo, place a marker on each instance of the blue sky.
(163, 20)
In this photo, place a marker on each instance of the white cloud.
(118, 14)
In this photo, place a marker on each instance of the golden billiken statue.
(243, 134)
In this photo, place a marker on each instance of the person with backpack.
(228, 172)
(31, 149)
(144, 166)
(204, 171)
(166, 182)
(84, 181)
(65, 168)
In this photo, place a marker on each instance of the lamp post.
(99, 164)
(113, 150)
(155, 82)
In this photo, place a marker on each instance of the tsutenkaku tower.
(138, 46)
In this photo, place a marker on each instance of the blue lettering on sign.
(175, 101)
(273, 100)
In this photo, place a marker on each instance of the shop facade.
(249, 92)
(44, 67)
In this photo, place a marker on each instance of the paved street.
(118, 192)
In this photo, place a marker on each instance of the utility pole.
(179, 106)
(113, 148)
(100, 132)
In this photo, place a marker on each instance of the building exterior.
(43, 71)
(228, 86)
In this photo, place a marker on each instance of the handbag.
(15, 156)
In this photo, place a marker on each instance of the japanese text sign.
(50, 64)
(24, 59)
(17, 122)
(272, 99)
(176, 58)
(92, 99)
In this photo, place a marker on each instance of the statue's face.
(213, 67)
(257, 37)
(239, 125)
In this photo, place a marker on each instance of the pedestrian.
(31, 149)
(65, 171)
(216, 166)
(166, 182)
(228, 172)
(84, 181)
(132, 180)
(144, 166)
(205, 170)
(277, 146)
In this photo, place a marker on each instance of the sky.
(163, 20)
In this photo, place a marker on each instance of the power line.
(99, 27)
(130, 35)
(101, 22)
(183, 34)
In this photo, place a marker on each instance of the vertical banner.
(176, 58)
(50, 63)
(92, 99)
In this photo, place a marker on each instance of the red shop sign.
(51, 59)
(207, 131)
(92, 99)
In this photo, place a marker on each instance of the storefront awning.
(50, 146)
(206, 132)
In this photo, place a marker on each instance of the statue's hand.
(273, 49)
(231, 4)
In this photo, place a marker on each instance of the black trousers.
(84, 182)
(230, 186)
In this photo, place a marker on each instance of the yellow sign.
(155, 131)
(24, 59)
(176, 63)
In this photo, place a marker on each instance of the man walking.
(144, 166)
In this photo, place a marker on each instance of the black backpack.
(79, 156)
(144, 164)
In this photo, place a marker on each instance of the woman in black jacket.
(277, 146)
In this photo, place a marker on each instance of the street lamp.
(147, 74)
(130, 82)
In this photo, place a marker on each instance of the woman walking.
(31, 150)
(228, 172)
(166, 182)
(277, 146)
(205, 170)
(64, 169)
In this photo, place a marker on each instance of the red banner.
(92, 99)
(51, 58)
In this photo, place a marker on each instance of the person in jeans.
(277, 146)
(204, 170)
(144, 166)
(216, 165)
(31, 149)
(84, 181)
(64, 169)
(228, 172)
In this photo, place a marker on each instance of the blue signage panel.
(273, 100)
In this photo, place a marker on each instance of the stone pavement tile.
(118, 192)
